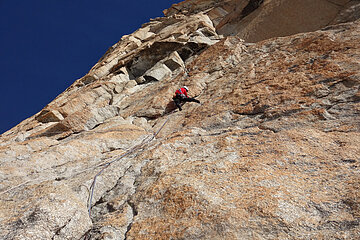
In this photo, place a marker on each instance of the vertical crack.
(135, 213)
(131, 203)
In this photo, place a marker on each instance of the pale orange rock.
(272, 151)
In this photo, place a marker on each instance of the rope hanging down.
(132, 150)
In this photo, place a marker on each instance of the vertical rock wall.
(270, 153)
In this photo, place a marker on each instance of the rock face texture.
(256, 20)
(272, 151)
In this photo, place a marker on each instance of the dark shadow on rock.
(171, 107)
(251, 6)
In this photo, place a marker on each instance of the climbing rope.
(104, 165)
(146, 141)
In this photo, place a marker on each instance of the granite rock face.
(272, 151)
(256, 20)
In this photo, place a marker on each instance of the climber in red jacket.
(182, 97)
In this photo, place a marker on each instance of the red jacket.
(181, 91)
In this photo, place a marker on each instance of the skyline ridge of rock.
(271, 152)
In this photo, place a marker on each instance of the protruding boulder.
(119, 78)
(140, 80)
(134, 40)
(130, 84)
(143, 34)
(174, 61)
(157, 73)
(100, 115)
(48, 115)
(119, 88)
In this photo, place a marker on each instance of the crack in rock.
(135, 213)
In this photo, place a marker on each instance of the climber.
(182, 97)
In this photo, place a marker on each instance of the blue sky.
(45, 45)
